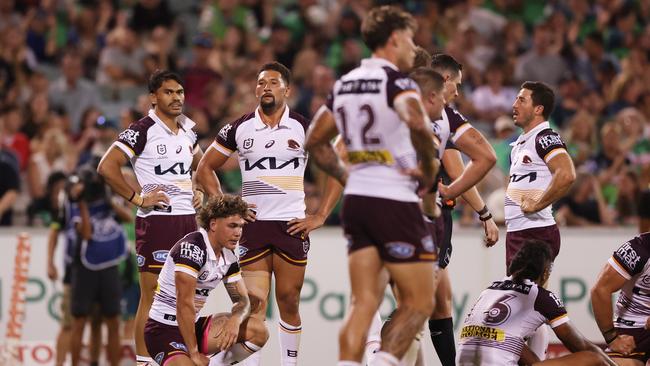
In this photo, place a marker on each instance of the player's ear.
(153, 99)
(539, 109)
(287, 91)
(213, 225)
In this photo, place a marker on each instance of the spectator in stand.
(570, 92)
(542, 62)
(53, 156)
(71, 91)
(611, 157)
(87, 33)
(9, 184)
(149, 14)
(199, 76)
(216, 15)
(581, 137)
(632, 124)
(41, 33)
(504, 129)
(584, 204)
(318, 86)
(161, 52)
(37, 116)
(493, 99)
(627, 198)
(592, 59)
(12, 138)
(121, 62)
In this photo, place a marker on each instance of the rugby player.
(162, 149)
(541, 172)
(509, 310)
(378, 112)
(175, 335)
(270, 147)
(626, 332)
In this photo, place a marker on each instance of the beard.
(268, 106)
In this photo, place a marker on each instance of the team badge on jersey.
(400, 249)
(427, 244)
(160, 255)
(242, 251)
(248, 143)
(293, 144)
(162, 149)
(140, 260)
(527, 159)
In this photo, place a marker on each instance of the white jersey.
(378, 142)
(504, 314)
(530, 176)
(162, 159)
(630, 260)
(449, 128)
(272, 162)
(194, 256)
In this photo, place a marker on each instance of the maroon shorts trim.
(155, 235)
(395, 228)
(515, 240)
(165, 341)
(642, 341)
(262, 238)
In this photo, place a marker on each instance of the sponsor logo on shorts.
(141, 260)
(160, 255)
(400, 249)
(242, 251)
(305, 246)
(179, 346)
(204, 275)
(427, 244)
(159, 357)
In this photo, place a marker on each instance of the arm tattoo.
(241, 303)
(326, 158)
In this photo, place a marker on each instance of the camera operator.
(101, 245)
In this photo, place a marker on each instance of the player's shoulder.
(302, 120)
(143, 124)
(191, 240)
(399, 79)
(231, 127)
(453, 115)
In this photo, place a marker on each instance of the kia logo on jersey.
(248, 143)
(162, 149)
(269, 144)
(293, 144)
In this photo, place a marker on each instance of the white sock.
(253, 360)
(348, 363)
(144, 359)
(383, 358)
(373, 343)
(538, 342)
(234, 354)
(289, 336)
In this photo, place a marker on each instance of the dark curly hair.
(217, 208)
(530, 261)
(381, 22)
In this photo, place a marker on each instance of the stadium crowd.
(73, 75)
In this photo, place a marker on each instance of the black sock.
(442, 336)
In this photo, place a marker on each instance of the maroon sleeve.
(549, 305)
(226, 136)
(547, 141)
(191, 251)
(633, 255)
(397, 83)
(455, 119)
(300, 119)
(135, 137)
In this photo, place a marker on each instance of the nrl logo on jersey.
(248, 143)
(129, 136)
(223, 133)
(162, 149)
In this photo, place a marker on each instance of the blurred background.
(73, 75)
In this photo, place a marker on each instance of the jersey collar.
(526, 281)
(522, 138)
(378, 62)
(260, 125)
(211, 254)
(184, 122)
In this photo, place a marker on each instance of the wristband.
(132, 195)
(485, 218)
(484, 214)
(483, 211)
(610, 335)
(137, 200)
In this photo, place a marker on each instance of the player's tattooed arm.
(241, 302)
(319, 136)
(410, 110)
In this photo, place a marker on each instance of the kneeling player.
(512, 309)
(628, 337)
(174, 334)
